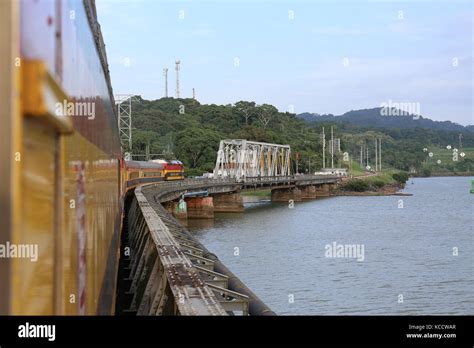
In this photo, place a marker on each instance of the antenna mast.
(324, 149)
(165, 74)
(178, 62)
(332, 147)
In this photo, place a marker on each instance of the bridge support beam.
(228, 203)
(322, 190)
(200, 207)
(308, 192)
(178, 209)
(285, 195)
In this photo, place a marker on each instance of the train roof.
(143, 165)
(159, 160)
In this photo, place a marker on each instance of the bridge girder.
(239, 158)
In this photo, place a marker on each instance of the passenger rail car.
(62, 169)
(140, 172)
(60, 154)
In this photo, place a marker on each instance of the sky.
(301, 56)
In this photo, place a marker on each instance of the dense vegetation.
(400, 178)
(356, 185)
(374, 118)
(189, 131)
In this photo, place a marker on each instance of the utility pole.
(165, 74)
(332, 147)
(177, 68)
(350, 166)
(361, 160)
(297, 160)
(324, 149)
(367, 156)
(194, 94)
(380, 154)
(376, 150)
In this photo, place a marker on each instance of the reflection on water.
(408, 251)
(200, 224)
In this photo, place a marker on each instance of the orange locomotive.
(172, 170)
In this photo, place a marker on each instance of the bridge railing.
(283, 178)
(163, 280)
(257, 180)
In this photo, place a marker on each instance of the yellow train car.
(140, 172)
(60, 203)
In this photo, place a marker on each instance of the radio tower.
(165, 74)
(178, 62)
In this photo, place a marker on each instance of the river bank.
(264, 196)
(386, 190)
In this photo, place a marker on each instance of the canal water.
(410, 255)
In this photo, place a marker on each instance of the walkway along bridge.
(164, 270)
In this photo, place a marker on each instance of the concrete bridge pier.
(228, 203)
(177, 208)
(308, 192)
(322, 190)
(286, 194)
(200, 207)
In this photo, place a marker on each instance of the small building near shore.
(332, 171)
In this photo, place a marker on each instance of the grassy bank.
(385, 181)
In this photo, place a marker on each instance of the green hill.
(374, 118)
(190, 131)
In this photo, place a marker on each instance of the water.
(408, 251)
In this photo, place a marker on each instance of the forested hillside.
(189, 131)
(374, 118)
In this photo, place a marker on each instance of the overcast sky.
(314, 56)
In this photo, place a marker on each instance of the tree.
(266, 113)
(197, 147)
(247, 109)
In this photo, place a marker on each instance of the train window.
(133, 175)
(152, 174)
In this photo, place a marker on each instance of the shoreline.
(386, 190)
(440, 175)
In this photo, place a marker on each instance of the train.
(141, 172)
(63, 174)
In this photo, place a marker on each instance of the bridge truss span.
(239, 159)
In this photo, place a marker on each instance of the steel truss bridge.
(238, 158)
